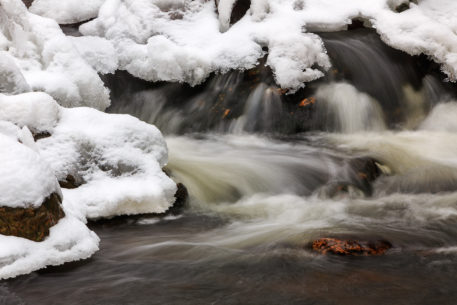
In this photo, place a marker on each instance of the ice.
(47, 59)
(68, 11)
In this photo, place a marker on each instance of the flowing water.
(267, 173)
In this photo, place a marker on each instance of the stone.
(70, 182)
(350, 247)
(32, 223)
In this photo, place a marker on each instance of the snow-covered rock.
(68, 11)
(185, 41)
(46, 58)
(26, 180)
(118, 159)
(69, 240)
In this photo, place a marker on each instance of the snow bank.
(40, 57)
(185, 41)
(68, 11)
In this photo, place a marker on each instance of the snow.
(68, 11)
(154, 44)
(36, 110)
(11, 79)
(97, 52)
(46, 58)
(25, 180)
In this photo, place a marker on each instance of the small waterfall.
(263, 111)
(341, 108)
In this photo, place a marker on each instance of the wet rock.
(40, 135)
(403, 6)
(32, 223)
(70, 182)
(27, 3)
(182, 196)
(350, 247)
(239, 9)
(365, 171)
(356, 178)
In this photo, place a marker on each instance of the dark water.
(268, 173)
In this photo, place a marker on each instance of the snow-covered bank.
(185, 41)
(117, 159)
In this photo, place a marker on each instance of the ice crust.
(117, 157)
(185, 41)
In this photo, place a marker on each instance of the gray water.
(265, 179)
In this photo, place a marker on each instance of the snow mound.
(38, 111)
(68, 11)
(25, 180)
(47, 59)
(185, 41)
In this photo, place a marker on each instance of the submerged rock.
(351, 247)
(31, 223)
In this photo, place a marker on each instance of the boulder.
(32, 223)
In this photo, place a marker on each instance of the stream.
(269, 172)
